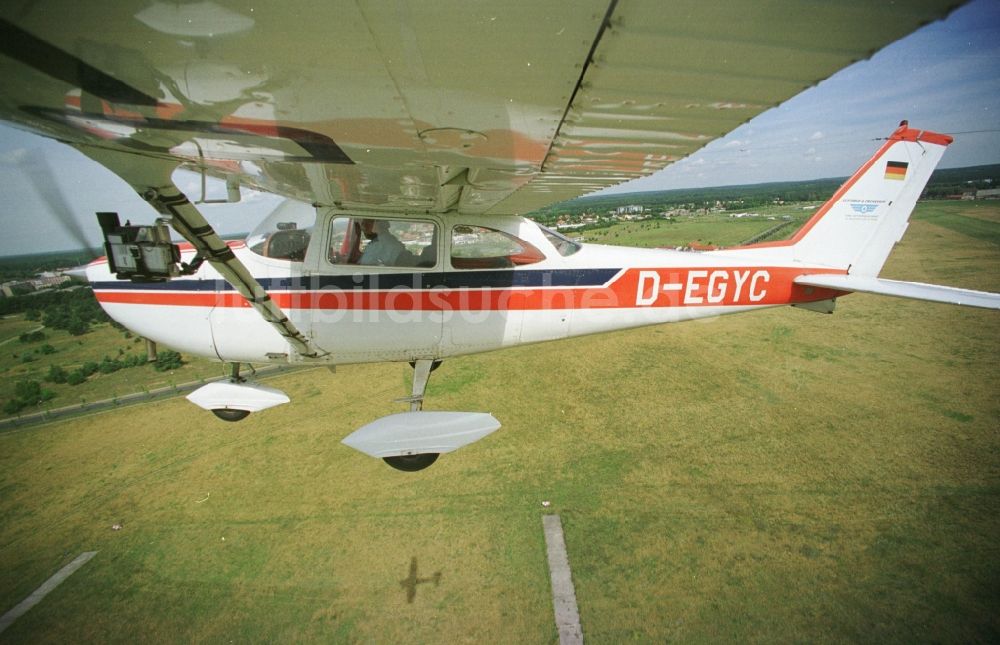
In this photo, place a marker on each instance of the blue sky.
(945, 77)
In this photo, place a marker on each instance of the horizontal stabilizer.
(414, 433)
(916, 290)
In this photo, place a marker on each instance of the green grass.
(11, 327)
(783, 476)
(717, 229)
(978, 220)
(72, 351)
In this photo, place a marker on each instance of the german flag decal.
(896, 170)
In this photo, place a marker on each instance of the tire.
(228, 414)
(411, 463)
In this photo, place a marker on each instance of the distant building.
(47, 280)
(990, 193)
(16, 288)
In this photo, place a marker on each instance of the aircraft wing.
(480, 107)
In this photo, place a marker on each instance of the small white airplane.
(409, 139)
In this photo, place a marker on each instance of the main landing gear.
(421, 375)
(413, 440)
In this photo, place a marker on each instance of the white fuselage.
(379, 313)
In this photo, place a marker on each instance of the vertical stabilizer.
(857, 228)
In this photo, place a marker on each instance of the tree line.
(30, 392)
(73, 309)
(945, 182)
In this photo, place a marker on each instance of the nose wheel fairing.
(235, 398)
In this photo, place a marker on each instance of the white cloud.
(816, 136)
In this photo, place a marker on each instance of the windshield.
(285, 233)
(563, 244)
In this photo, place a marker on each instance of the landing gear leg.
(421, 375)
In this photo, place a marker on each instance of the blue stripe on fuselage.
(492, 279)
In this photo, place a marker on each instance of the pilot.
(383, 248)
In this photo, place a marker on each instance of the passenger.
(383, 248)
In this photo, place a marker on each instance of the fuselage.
(455, 287)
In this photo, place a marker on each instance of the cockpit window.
(563, 244)
(478, 247)
(382, 242)
(285, 233)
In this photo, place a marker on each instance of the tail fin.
(856, 229)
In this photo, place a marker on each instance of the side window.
(478, 247)
(382, 242)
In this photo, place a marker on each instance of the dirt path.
(30, 331)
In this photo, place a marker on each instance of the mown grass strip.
(39, 594)
(970, 226)
(563, 596)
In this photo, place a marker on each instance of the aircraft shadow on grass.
(412, 580)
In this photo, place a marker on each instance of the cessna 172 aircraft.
(416, 135)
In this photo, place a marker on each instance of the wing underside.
(480, 107)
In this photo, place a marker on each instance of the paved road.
(128, 399)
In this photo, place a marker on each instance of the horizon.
(99, 248)
(604, 195)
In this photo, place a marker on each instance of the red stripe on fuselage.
(174, 298)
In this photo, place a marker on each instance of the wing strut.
(151, 178)
(189, 222)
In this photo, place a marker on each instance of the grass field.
(717, 229)
(783, 476)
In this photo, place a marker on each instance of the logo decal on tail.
(864, 209)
